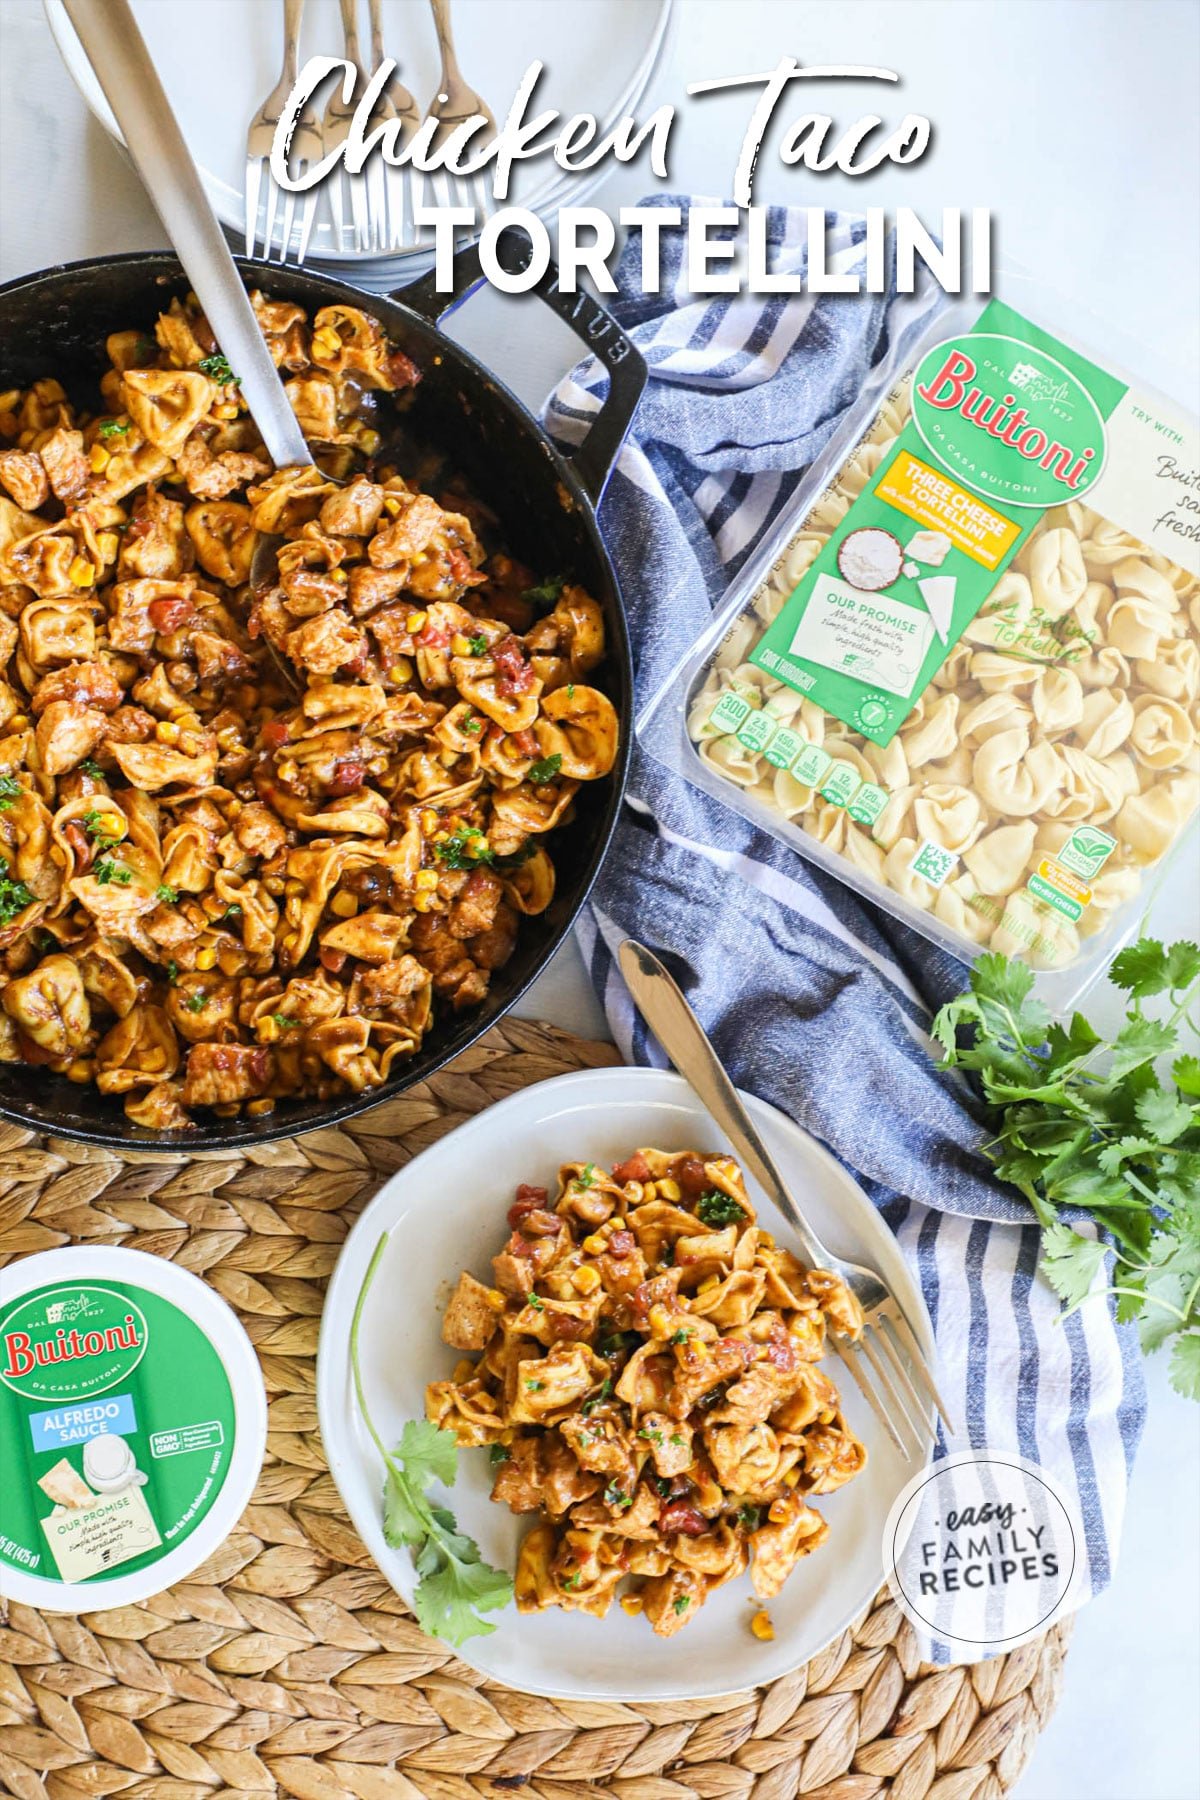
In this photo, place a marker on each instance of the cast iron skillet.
(55, 323)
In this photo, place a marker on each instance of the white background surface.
(1075, 122)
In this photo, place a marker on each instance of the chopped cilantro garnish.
(663, 1484)
(606, 1388)
(172, 971)
(546, 769)
(618, 1342)
(94, 823)
(106, 870)
(717, 1209)
(478, 644)
(748, 1517)
(112, 428)
(464, 849)
(545, 593)
(679, 1337)
(535, 1387)
(676, 1438)
(10, 790)
(616, 1496)
(217, 368)
(499, 1453)
(573, 1581)
(14, 898)
(586, 1176)
(681, 1603)
(537, 1303)
(196, 1002)
(570, 690)
(471, 725)
(166, 893)
(651, 1437)
(284, 1021)
(90, 767)
(232, 911)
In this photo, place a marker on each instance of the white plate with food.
(674, 1405)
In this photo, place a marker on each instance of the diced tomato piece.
(513, 673)
(402, 371)
(621, 1243)
(463, 570)
(635, 1169)
(529, 1199)
(524, 743)
(348, 775)
(432, 637)
(333, 960)
(171, 613)
(276, 732)
(680, 1518)
(689, 1173)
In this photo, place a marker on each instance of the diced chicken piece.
(564, 1483)
(410, 532)
(518, 1483)
(792, 1530)
(475, 908)
(258, 831)
(82, 684)
(221, 1074)
(354, 510)
(670, 1601)
(327, 643)
(66, 733)
(23, 474)
(470, 1317)
(211, 477)
(670, 1442)
(66, 466)
(156, 544)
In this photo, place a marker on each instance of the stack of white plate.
(219, 59)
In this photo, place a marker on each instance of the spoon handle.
(114, 46)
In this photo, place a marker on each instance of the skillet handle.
(595, 457)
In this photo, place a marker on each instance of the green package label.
(116, 1430)
(1006, 422)
(729, 712)
(757, 731)
(1086, 851)
(841, 783)
(811, 765)
(868, 803)
(784, 748)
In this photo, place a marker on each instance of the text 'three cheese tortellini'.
(1052, 758)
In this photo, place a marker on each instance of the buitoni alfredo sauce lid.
(133, 1423)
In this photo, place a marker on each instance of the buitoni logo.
(66, 1342)
(1008, 420)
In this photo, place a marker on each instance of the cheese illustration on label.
(937, 591)
(928, 547)
(62, 1485)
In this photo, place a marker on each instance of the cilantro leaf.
(1071, 1262)
(14, 898)
(546, 769)
(1185, 1072)
(217, 369)
(1141, 968)
(1184, 1367)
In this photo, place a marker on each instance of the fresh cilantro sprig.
(454, 1584)
(1086, 1123)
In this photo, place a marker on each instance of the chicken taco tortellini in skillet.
(647, 1380)
(254, 841)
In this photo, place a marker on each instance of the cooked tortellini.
(254, 838)
(647, 1380)
(1070, 703)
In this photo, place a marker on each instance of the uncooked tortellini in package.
(969, 680)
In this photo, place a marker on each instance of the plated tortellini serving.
(1051, 761)
(252, 839)
(648, 1383)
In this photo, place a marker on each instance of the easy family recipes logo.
(727, 246)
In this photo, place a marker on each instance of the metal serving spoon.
(897, 1386)
(117, 52)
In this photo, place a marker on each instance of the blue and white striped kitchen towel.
(816, 1000)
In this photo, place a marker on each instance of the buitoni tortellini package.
(964, 673)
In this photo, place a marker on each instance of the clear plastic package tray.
(963, 674)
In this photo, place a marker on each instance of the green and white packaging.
(963, 673)
(132, 1426)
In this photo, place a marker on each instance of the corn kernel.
(594, 1244)
(631, 1604)
(392, 504)
(82, 1070)
(429, 820)
(82, 573)
(98, 459)
(791, 1478)
(667, 1189)
(226, 410)
(401, 669)
(257, 1108)
(495, 1300)
(343, 906)
(762, 1627)
(708, 1284)
(420, 557)
(166, 731)
(326, 342)
(267, 1030)
(425, 880)
(206, 959)
(586, 1280)
(660, 1320)
(340, 575)
(294, 889)
(370, 441)
(111, 825)
(415, 621)
(229, 738)
(766, 1241)
(463, 1369)
(422, 902)
(460, 644)
(18, 722)
(109, 545)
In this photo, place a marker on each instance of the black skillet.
(55, 323)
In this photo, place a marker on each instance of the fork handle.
(114, 47)
(682, 1036)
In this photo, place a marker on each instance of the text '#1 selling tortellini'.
(970, 682)
(219, 886)
(647, 1381)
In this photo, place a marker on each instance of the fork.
(452, 105)
(335, 129)
(305, 149)
(388, 193)
(902, 1389)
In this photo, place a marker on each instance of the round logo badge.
(1008, 420)
(71, 1342)
(983, 1551)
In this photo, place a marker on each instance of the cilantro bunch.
(1084, 1123)
(454, 1584)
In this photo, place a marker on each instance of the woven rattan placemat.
(286, 1665)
